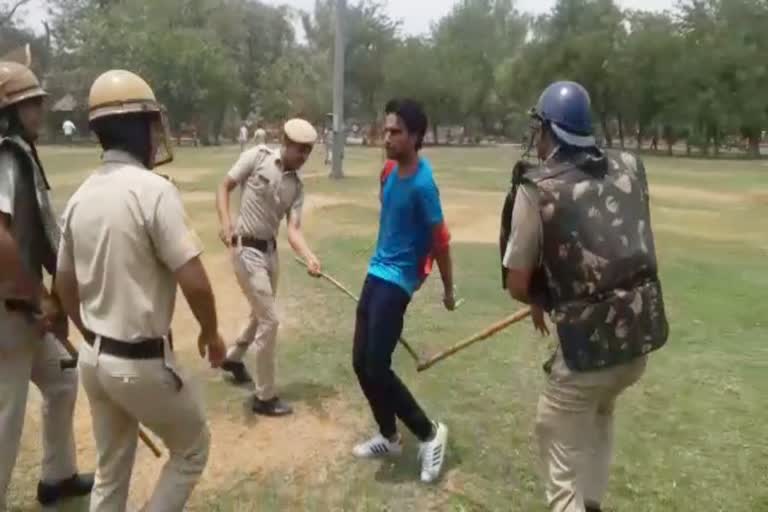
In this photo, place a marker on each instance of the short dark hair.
(127, 132)
(411, 112)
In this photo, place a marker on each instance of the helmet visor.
(161, 139)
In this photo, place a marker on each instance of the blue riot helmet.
(566, 108)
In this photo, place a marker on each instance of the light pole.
(337, 171)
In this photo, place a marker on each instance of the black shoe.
(239, 374)
(273, 407)
(75, 486)
(594, 508)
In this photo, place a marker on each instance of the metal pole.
(339, 136)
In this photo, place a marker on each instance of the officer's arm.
(65, 284)
(523, 249)
(222, 203)
(13, 275)
(238, 174)
(68, 297)
(196, 287)
(296, 238)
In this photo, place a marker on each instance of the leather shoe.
(239, 373)
(273, 407)
(72, 487)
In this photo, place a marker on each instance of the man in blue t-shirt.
(411, 231)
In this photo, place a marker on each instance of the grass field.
(690, 436)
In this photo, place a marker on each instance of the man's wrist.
(209, 331)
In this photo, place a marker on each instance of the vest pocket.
(623, 326)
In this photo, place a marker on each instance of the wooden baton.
(354, 297)
(487, 333)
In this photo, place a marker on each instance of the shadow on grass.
(311, 394)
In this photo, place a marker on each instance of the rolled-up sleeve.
(247, 163)
(175, 242)
(525, 237)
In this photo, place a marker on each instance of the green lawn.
(690, 436)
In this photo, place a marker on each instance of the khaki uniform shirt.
(125, 233)
(260, 136)
(526, 237)
(269, 194)
(524, 248)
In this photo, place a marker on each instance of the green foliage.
(694, 74)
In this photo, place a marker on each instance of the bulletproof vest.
(599, 258)
(34, 225)
(538, 291)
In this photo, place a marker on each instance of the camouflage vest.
(599, 258)
(35, 226)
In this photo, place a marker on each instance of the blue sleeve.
(429, 199)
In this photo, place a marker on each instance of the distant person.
(580, 246)
(69, 130)
(411, 229)
(655, 143)
(260, 136)
(328, 143)
(242, 138)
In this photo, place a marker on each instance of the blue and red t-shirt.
(410, 212)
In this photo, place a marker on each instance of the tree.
(647, 74)
(169, 44)
(371, 36)
(257, 37)
(412, 73)
(470, 42)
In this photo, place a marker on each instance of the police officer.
(581, 223)
(260, 135)
(272, 190)
(29, 236)
(125, 245)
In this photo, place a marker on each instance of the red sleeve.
(441, 238)
(389, 166)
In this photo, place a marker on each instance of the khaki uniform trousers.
(257, 273)
(25, 356)
(123, 393)
(574, 427)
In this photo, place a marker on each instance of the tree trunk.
(716, 140)
(754, 146)
(621, 130)
(434, 133)
(639, 138)
(606, 131)
(218, 123)
(688, 147)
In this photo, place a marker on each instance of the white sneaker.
(378, 446)
(432, 454)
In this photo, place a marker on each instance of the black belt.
(254, 243)
(151, 348)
